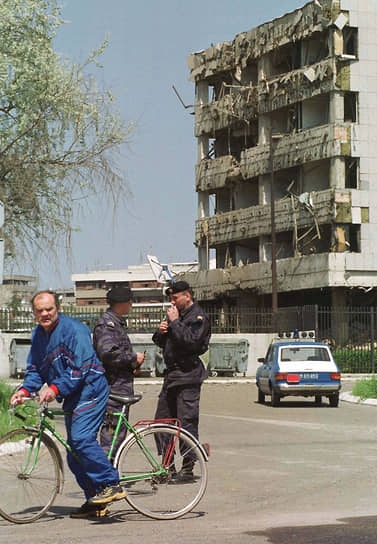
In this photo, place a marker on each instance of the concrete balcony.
(214, 174)
(329, 206)
(244, 104)
(235, 109)
(301, 84)
(314, 144)
(293, 274)
(310, 145)
(251, 45)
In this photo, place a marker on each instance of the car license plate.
(309, 376)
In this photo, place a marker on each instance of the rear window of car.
(304, 354)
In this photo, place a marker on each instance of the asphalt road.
(294, 474)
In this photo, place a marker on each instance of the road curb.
(348, 397)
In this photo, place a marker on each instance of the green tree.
(58, 131)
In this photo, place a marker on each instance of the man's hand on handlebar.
(17, 398)
(47, 395)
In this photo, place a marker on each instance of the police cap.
(119, 294)
(178, 287)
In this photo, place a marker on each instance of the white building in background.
(296, 97)
(91, 287)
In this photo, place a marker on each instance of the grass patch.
(5, 394)
(366, 389)
(8, 421)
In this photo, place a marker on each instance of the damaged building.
(285, 121)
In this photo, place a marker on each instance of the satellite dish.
(160, 271)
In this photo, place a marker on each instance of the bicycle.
(148, 460)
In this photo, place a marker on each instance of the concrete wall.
(258, 344)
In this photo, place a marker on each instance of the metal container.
(18, 352)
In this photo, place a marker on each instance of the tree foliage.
(58, 131)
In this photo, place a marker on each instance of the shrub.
(9, 422)
(366, 389)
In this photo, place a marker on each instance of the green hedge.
(354, 360)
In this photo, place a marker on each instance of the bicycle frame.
(158, 468)
(150, 462)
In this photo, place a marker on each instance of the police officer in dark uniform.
(114, 349)
(184, 335)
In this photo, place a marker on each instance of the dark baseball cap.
(119, 294)
(177, 287)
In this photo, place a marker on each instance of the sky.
(149, 42)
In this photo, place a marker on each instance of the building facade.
(91, 287)
(285, 120)
(17, 287)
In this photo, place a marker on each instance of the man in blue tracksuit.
(63, 358)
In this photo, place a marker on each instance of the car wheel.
(275, 398)
(318, 399)
(261, 396)
(334, 400)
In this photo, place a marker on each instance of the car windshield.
(307, 353)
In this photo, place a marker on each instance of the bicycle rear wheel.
(173, 493)
(29, 479)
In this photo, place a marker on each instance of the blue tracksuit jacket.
(65, 358)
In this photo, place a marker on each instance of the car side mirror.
(260, 359)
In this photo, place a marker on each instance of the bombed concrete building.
(285, 121)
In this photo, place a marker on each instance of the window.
(352, 173)
(304, 354)
(350, 39)
(350, 107)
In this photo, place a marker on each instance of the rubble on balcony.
(291, 27)
(326, 207)
(295, 86)
(216, 173)
(237, 107)
(309, 145)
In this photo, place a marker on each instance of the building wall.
(313, 126)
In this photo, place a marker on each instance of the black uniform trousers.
(181, 402)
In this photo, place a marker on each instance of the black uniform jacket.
(114, 349)
(186, 339)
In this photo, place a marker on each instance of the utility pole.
(274, 292)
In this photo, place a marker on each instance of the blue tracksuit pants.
(95, 470)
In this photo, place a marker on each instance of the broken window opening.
(234, 142)
(346, 238)
(249, 74)
(224, 201)
(350, 41)
(350, 107)
(315, 111)
(211, 149)
(352, 173)
(315, 49)
(354, 238)
(212, 204)
(287, 181)
(285, 59)
(220, 87)
(309, 242)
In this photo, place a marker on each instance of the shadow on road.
(348, 531)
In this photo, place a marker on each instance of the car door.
(264, 377)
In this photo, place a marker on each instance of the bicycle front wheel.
(158, 493)
(29, 476)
